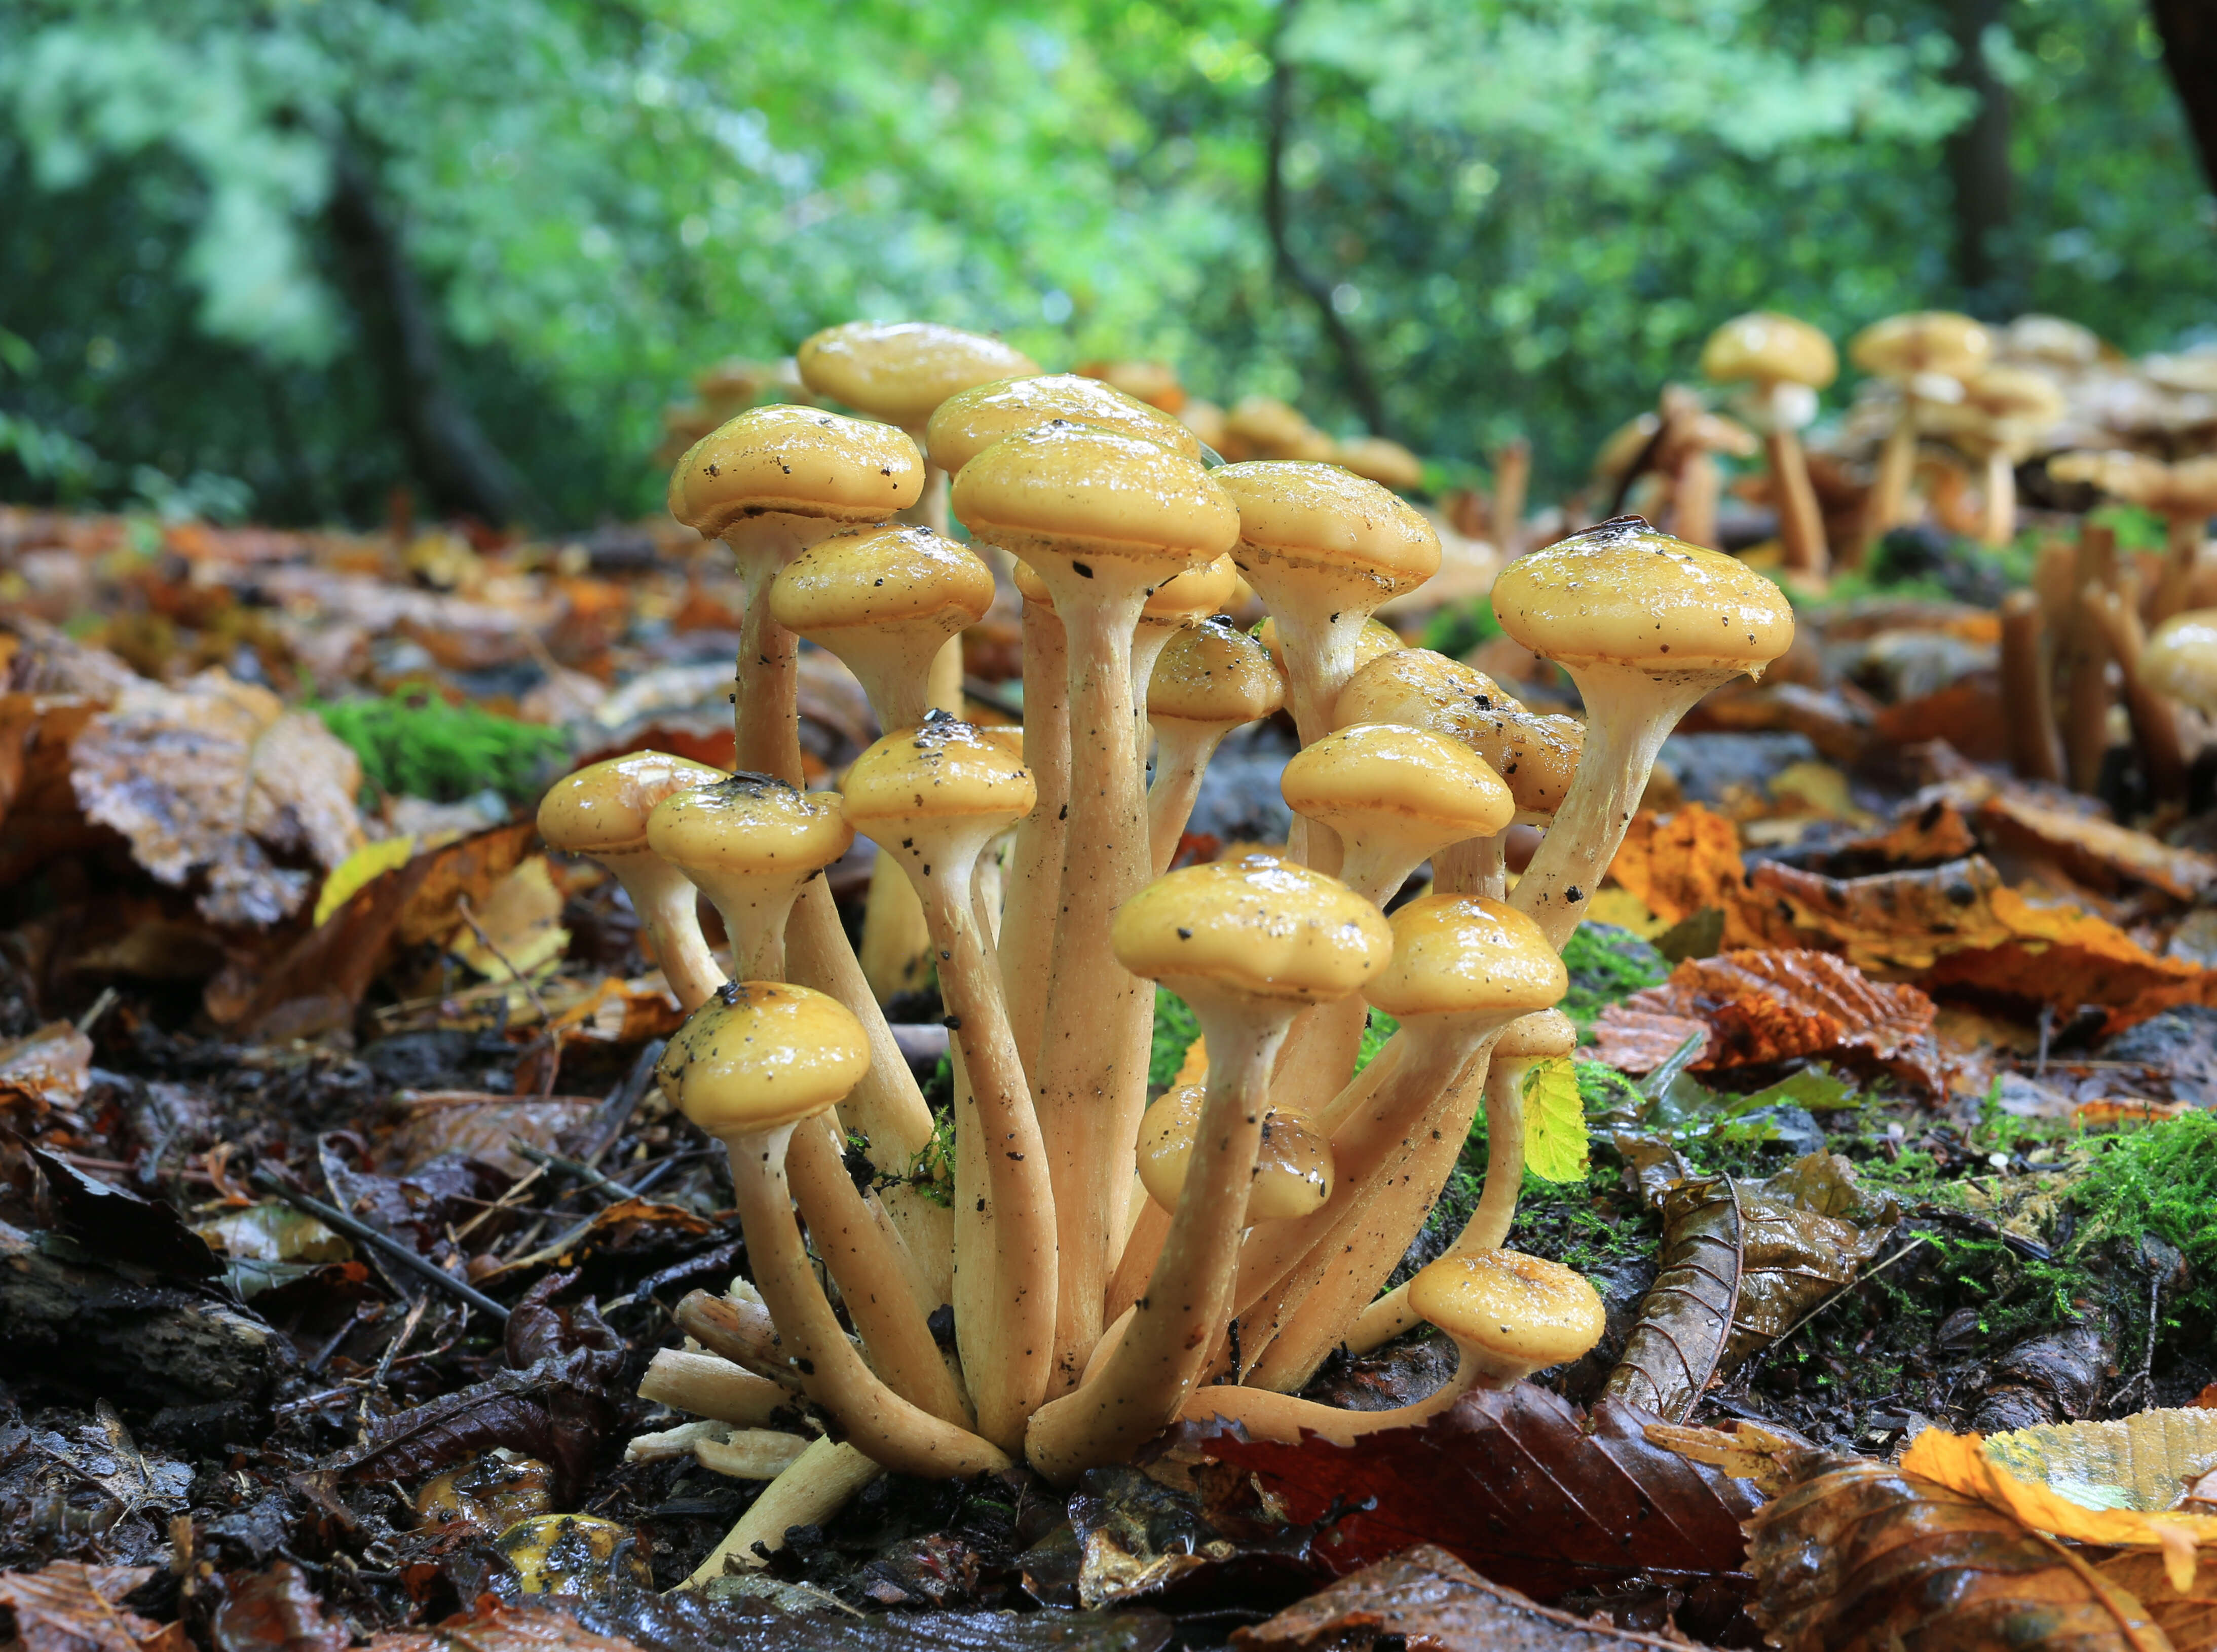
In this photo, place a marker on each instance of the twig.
(530, 992)
(585, 1174)
(337, 1220)
(108, 1000)
(1863, 1278)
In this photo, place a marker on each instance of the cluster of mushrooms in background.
(1105, 1267)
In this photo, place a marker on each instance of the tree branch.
(2189, 31)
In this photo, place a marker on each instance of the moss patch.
(418, 745)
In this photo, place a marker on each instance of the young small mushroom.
(2180, 660)
(931, 798)
(1927, 355)
(750, 843)
(1646, 625)
(2183, 494)
(1211, 678)
(1180, 601)
(1247, 944)
(2004, 413)
(1785, 362)
(1508, 1314)
(602, 811)
(748, 1066)
(817, 1485)
(708, 1385)
(1292, 1165)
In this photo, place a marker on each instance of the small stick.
(530, 992)
(108, 1000)
(2027, 692)
(1861, 1279)
(337, 1220)
(585, 1174)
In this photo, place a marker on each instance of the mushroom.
(1154, 383)
(708, 1385)
(1926, 356)
(1103, 519)
(2115, 611)
(1375, 638)
(755, 1060)
(899, 372)
(968, 424)
(931, 798)
(2004, 413)
(1463, 967)
(2180, 660)
(1033, 877)
(1211, 678)
(1677, 442)
(602, 811)
(1784, 362)
(750, 843)
(1645, 625)
(1385, 462)
(1508, 1313)
(1548, 1035)
(1247, 944)
(1293, 1163)
(1263, 427)
(2183, 494)
(815, 1487)
(1178, 602)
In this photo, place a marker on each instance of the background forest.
(279, 257)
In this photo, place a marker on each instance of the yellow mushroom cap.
(1293, 1163)
(2180, 660)
(1256, 927)
(946, 769)
(749, 824)
(2187, 488)
(1625, 593)
(1074, 489)
(1363, 777)
(968, 424)
(1519, 1314)
(900, 371)
(1154, 383)
(1926, 341)
(1537, 757)
(1382, 461)
(882, 577)
(2018, 394)
(2051, 341)
(1423, 689)
(1536, 1037)
(800, 461)
(603, 807)
(760, 1055)
(1465, 954)
(1319, 517)
(1770, 347)
(1214, 673)
(1275, 429)
(1375, 640)
(571, 1555)
(1191, 593)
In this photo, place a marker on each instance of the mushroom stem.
(2026, 689)
(1512, 474)
(1887, 503)
(740, 1331)
(2182, 550)
(708, 1385)
(1143, 1247)
(1266, 1414)
(1028, 920)
(1998, 511)
(1139, 1390)
(1182, 749)
(885, 1428)
(2084, 655)
(766, 701)
(808, 1493)
(669, 910)
(1800, 523)
(1475, 866)
(2155, 725)
(1694, 493)
(885, 1105)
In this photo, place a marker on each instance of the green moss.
(1175, 1028)
(2158, 1181)
(1460, 626)
(1607, 965)
(415, 744)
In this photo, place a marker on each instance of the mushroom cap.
(907, 576)
(602, 808)
(1375, 640)
(2021, 395)
(1275, 429)
(968, 424)
(1319, 518)
(1421, 688)
(946, 769)
(2188, 488)
(1768, 347)
(1213, 672)
(1077, 490)
(1256, 927)
(2180, 660)
(1154, 383)
(1370, 776)
(1382, 461)
(1536, 1037)
(900, 371)
(1537, 757)
(1516, 1311)
(1624, 444)
(760, 1055)
(749, 824)
(800, 461)
(1625, 593)
(1465, 954)
(2052, 342)
(1925, 340)
(1192, 593)
(1293, 1163)
(1205, 419)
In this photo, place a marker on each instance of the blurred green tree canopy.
(282, 254)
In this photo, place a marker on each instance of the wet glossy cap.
(1320, 520)
(1465, 954)
(1536, 756)
(1385, 462)
(1075, 489)
(750, 824)
(1213, 672)
(1536, 1037)
(1388, 780)
(903, 578)
(760, 1055)
(900, 371)
(968, 424)
(1624, 593)
(1293, 1165)
(603, 807)
(1926, 341)
(1374, 640)
(2180, 660)
(797, 461)
(945, 770)
(1767, 347)
(1513, 1313)
(1192, 593)
(1255, 928)
(1423, 689)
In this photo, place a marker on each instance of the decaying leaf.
(49, 1067)
(2188, 1617)
(217, 779)
(1425, 1598)
(482, 1126)
(1925, 832)
(2141, 1462)
(518, 926)
(68, 1607)
(1686, 861)
(39, 813)
(2094, 849)
(276, 1611)
(1862, 1556)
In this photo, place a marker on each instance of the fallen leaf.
(1555, 1138)
(628, 1011)
(1968, 714)
(2140, 1462)
(2096, 851)
(481, 1126)
(1679, 863)
(1426, 1599)
(518, 930)
(274, 1611)
(50, 1068)
(467, 870)
(217, 779)
(68, 1607)
(2188, 1617)
(371, 860)
(1925, 833)
(39, 813)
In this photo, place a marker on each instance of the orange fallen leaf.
(2095, 850)
(1679, 863)
(50, 1068)
(2108, 1112)
(1968, 714)
(68, 1607)
(1934, 832)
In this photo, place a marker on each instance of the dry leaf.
(50, 1068)
(1679, 863)
(518, 930)
(68, 1607)
(217, 779)
(1968, 714)
(2096, 852)
(481, 1126)
(1924, 833)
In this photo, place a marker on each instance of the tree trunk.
(1979, 168)
(2188, 28)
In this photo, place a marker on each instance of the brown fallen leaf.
(2188, 1617)
(1968, 714)
(50, 1068)
(39, 813)
(480, 1126)
(68, 1607)
(1924, 832)
(217, 779)
(1430, 1602)
(2096, 852)
(496, 1628)
(274, 1611)
(517, 930)
(1685, 862)
(1863, 1557)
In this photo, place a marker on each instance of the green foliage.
(1460, 626)
(2161, 1181)
(418, 745)
(931, 1171)
(1376, 1030)
(1607, 965)
(1175, 1028)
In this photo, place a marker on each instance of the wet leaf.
(517, 931)
(275, 1610)
(50, 1068)
(1934, 831)
(2096, 851)
(68, 1607)
(1554, 1122)
(217, 780)
(118, 1225)
(1866, 1557)
(2188, 1617)
(370, 861)
(482, 1126)
(2140, 1462)
(683, 1621)
(39, 813)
